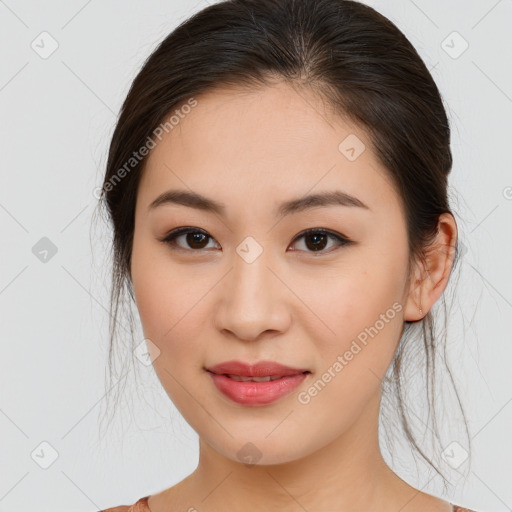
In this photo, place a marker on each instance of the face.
(246, 283)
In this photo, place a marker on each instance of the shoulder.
(456, 508)
(139, 506)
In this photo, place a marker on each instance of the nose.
(252, 300)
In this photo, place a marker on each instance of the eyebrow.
(322, 199)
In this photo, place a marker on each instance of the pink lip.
(256, 393)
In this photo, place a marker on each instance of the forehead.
(266, 143)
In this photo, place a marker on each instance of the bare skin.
(252, 150)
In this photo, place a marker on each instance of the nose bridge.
(253, 299)
(251, 278)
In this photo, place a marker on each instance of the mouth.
(256, 385)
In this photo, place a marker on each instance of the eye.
(195, 238)
(317, 239)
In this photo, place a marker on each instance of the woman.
(277, 185)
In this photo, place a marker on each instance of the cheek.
(360, 313)
(363, 309)
(172, 315)
(172, 305)
(158, 287)
(355, 298)
(156, 294)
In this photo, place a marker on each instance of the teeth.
(253, 379)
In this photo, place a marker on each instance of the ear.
(430, 275)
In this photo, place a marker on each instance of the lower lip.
(256, 393)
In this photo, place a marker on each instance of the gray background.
(57, 114)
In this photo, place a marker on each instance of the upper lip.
(259, 369)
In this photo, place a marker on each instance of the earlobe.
(433, 271)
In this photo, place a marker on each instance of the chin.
(262, 452)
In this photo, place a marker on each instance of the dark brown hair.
(350, 56)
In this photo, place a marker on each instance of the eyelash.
(170, 238)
